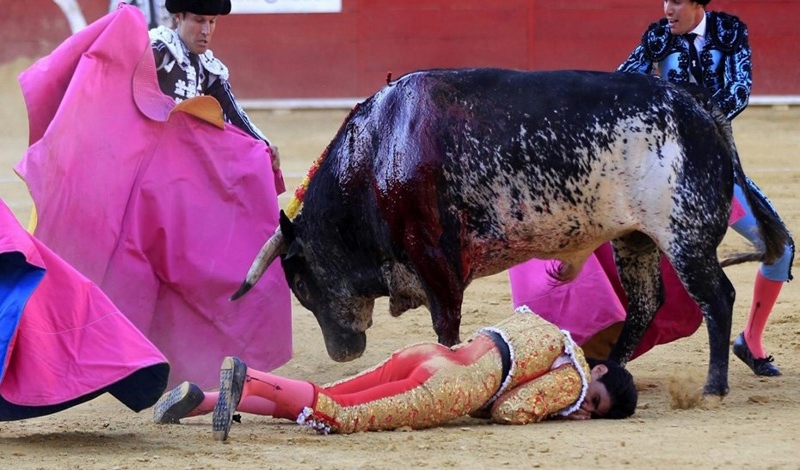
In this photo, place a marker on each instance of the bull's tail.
(739, 258)
(773, 231)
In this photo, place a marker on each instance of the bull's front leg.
(444, 290)
(640, 275)
(445, 293)
(446, 318)
(712, 290)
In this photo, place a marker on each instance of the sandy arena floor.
(756, 426)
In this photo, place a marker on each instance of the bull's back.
(532, 164)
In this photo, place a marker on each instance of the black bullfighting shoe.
(177, 403)
(232, 375)
(761, 367)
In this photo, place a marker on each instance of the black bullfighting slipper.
(761, 367)
(177, 403)
(232, 375)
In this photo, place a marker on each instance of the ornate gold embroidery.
(453, 390)
(538, 399)
(533, 391)
(534, 344)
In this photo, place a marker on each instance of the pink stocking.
(249, 404)
(288, 397)
(261, 406)
(765, 293)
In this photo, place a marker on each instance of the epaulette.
(657, 41)
(214, 65)
(725, 31)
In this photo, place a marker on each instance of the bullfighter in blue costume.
(711, 49)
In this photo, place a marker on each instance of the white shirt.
(700, 31)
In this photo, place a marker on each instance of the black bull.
(445, 176)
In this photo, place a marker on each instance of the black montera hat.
(199, 7)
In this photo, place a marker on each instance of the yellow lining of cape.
(202, 107)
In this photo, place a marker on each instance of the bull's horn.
(271, 250)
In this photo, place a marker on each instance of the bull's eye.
(299, 286)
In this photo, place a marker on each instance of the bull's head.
(315, 279)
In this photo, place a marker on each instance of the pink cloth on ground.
(165, 211)
(596, 300)
(70, 340)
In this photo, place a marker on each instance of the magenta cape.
(62, 341)
(165, 211)
(596, 300)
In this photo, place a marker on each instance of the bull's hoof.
(761, 367)
(448, 341)
(711, 402)
(716, 390)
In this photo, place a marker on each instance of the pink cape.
(596, 300)
(165, 210)
(61, 339)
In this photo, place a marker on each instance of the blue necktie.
(694, 58)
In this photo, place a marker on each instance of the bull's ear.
(294, 242)
(287, 227)
(296, 248)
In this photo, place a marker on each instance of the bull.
(445, 176)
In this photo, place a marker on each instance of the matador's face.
(683, 15)
(196, 30)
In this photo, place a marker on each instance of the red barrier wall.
(348, 54)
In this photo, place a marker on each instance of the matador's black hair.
(620, 385)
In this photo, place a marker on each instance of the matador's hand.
(579, 414)
(276, 157)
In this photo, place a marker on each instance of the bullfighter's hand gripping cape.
(164, 206)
